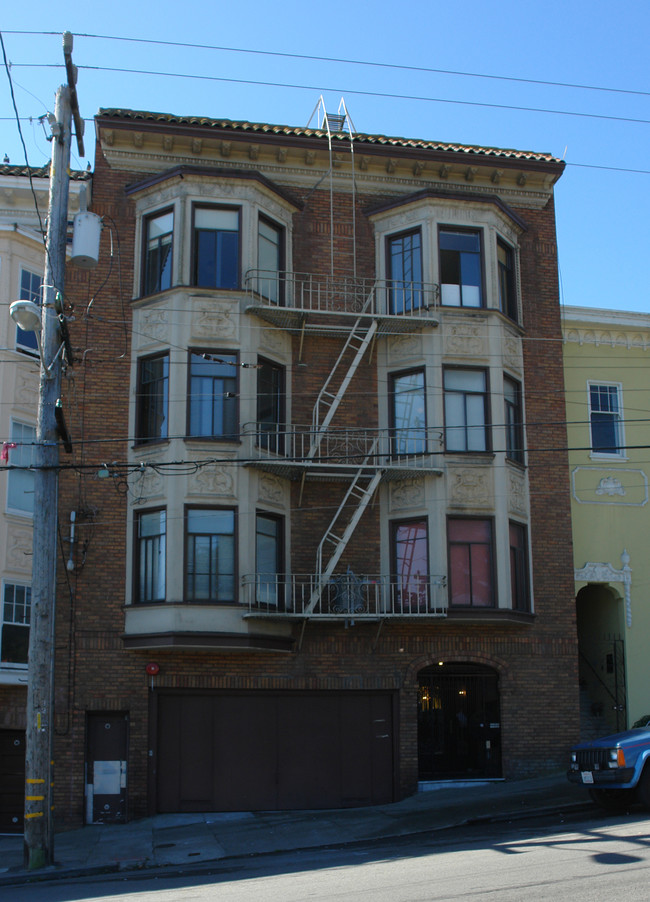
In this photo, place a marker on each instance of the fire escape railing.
(311, 293)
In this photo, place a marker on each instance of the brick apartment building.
(318, 559)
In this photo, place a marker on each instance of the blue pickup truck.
(615, 768)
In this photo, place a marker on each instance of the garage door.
(273, 751)
(12, 780)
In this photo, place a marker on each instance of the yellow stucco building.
(607, 370)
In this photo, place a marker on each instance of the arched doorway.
(459, 723)
(601, 628)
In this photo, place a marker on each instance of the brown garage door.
(12, 780)
(273, 751)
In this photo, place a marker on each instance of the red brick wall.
(536, 661)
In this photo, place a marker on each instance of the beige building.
(606, 359)
(21, 277)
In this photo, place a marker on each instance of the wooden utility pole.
(39, 772)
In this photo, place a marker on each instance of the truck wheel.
(643, 789)
(612, 799)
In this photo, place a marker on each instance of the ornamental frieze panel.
(214, 319)
(405, 348)
(152, 327)
(619, 486)
(517, 493)
(19, 550)
(271, 490)
(470, 488)
(272, 340)
(512, 352)
(407, 493)
(26, 388)
(212, 480)
(146, 485)
(465, 339)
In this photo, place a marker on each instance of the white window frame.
(619, 453)
(36, 297)
(23, 585)
(21, 457)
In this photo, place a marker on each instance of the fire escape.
(359, 311)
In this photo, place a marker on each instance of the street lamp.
(27, 316)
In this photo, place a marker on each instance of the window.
(16, 607)
(466, 411)
(470, 562)
(20, 483)
(506, 275)
(216, 247)
(269, 259)
(513, 416)
(270, 406)
(405, 272)
(30, 290)
(213, 395)
(151, 555)
(157, 268)
(153, 398)
(519, 591)
(460, 268)
(606, 420)
(268, 557)
(408, 417)
(210, 555)
(410, 553)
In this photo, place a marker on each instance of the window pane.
(20, 483)
(409, 421)
(158, 253)
(210, 555)
(216, 248)
(470, 562)
(405, 265)
(153, 400)
(460, 268)
(213, 396)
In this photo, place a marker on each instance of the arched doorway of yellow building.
(601, 630)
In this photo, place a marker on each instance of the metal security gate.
(459, 728)
(257, 751)
(12, 780)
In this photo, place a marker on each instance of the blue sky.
(601, 199)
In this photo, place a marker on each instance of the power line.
(353, 62)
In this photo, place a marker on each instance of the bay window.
(471, 569)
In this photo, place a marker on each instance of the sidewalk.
(184, 840)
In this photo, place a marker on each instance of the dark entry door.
(106, 757)
(255, 751)
(12, 780)
(459, 729)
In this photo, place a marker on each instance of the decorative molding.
(271, 490)
(406, 493)
(465, 339)
(512, 352)
(407, 347)
(211, 319)
(517, 492)
(212, 480)
(147, 485)
(617, 486)
(152, 326)
(469, 488)
(628, 339)
(19, 550)
(27, 388)
(603, 573)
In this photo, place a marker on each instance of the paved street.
(591, 859)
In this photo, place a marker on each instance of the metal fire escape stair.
(331, 394)
(361, 490)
